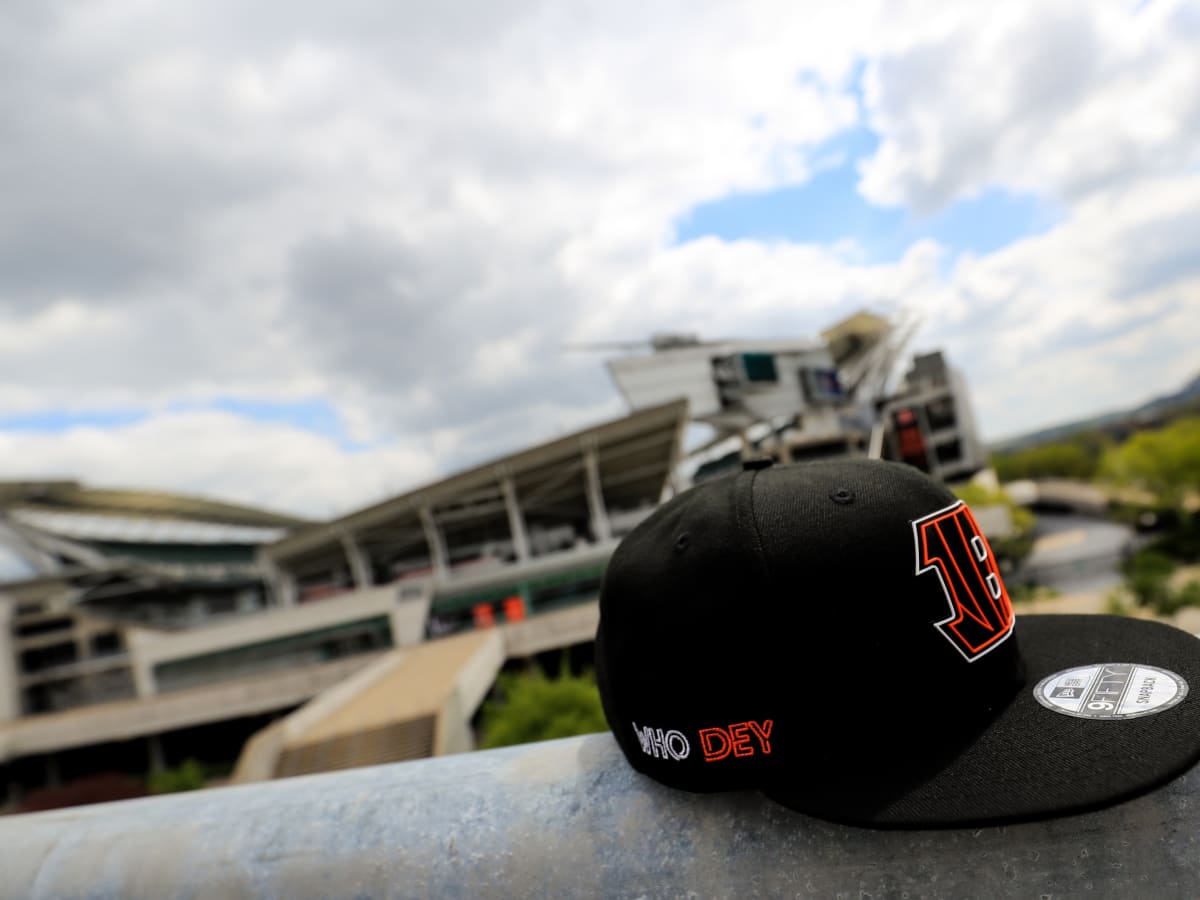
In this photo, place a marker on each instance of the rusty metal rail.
(569, 818)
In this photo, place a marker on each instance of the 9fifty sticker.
(1111, 691)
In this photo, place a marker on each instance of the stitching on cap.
(758, 545)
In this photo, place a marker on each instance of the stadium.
(141, 629)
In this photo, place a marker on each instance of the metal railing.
(570, 818)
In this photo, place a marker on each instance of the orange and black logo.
(950, 543)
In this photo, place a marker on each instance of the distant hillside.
(1118, 424)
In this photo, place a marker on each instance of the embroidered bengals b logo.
(950, 543)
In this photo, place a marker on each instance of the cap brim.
(1032, 762)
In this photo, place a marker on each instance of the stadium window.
(106, 644)
(909, 439)
(951, 451)
(760, 367)
(565, 593)
(940, 414)
(39, 659)
(45, 626)
(821, 386)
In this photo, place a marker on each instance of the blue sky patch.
(828, 208)
(55, 421)
(312, 415)
(308, 415)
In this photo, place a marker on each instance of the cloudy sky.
(304, 254)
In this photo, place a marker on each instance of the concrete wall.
(453, 733)
(447, 678)
(549, 631)
(152, 648)
(128, 719)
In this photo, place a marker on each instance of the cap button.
(758, 462)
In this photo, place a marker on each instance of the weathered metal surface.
(570, 819)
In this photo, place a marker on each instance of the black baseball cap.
(837, 634)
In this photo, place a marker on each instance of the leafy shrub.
(1148, 575)
(530, 707)
(1011, 550)
(1166, 462)
(1188, 595)
(1115, 603)
(188, 776)
(1024, 592)
(1145, 518)
(1182, 543)
(1063, 460)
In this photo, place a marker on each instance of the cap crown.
(789, 623)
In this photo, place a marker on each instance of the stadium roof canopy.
(634, 458)
(70, 496)
(62, 527)
(144, 529)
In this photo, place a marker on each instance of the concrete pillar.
(80, 636)
(360, 565)
(601, 528)
(436, 542)
(143, 675)
(289, 593)
(10, 697)
(154, 754)
(875, 447)
(53, 774)
(516, 521)
(197, 612)
(280, 583)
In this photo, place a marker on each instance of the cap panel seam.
(756, 535)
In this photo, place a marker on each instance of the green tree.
(1114, 603)
(1077, 459)
(1188, 595)
(1166, 462)
(1028, 593)
(188, 776)
(529, 707)
(1013, 549)
(1148, 577)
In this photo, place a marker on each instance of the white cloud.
(1054, 99)
(411, 210)
(1102, 311)
(222, 455)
